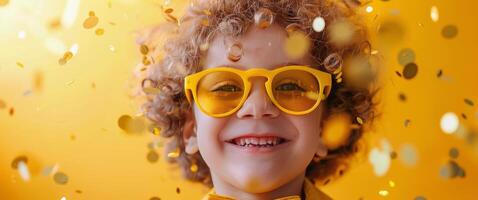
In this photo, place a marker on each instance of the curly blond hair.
(176, 49)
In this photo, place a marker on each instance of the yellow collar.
(311, 193)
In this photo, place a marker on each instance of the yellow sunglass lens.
(296, 90)
(220, 92)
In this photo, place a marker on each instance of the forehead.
(261, 48)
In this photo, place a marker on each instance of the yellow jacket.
(311, 193)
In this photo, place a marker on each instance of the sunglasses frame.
(324, 79)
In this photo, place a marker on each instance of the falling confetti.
(449, 31)
(70, 13)
(406, 56)
(152, 156)
(60, 178)
(130, 124)
(144, 49)
(369, 9)
(333, 62)
(380, 160)
(383, 193)
(469, 102)
(449, 123)
(453, 153)
(3, 105)
(193, 168)
(341, 32)
(23, 170)
(297, 45)
(91, 21)
(11, 111)
(434, 14)
(99, 31)
(263, 18)
(408, 155)
(318, 24)
(19, 64)
(410, 70)
(235, 52)
(174, 154)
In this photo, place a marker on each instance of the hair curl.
(176, 51)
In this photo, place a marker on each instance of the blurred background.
(67, 66)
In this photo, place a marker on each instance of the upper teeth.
(257, 141)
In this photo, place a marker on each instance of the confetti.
(19, 64)
(23, 170)
(18, 159)
(291, 28)
(70, 13)
(408, 154)
(359, 120)
(434, 14)
(336, 130)
(235, 52)
(451, 170)
(453, 153)
(369, 9)
(383, 193)
(407, 123)
(91, 21)
(99, 31)
(144, 49)
(4, 2)
(420, 198)
(380, 160)
(341, 32)
(318, 24)
(439, 73)
(178, 190)
(449, 123)
(130, 124)
(297, 44)
(449, 31)
(263, 18)
(21, 35)
(391, 183)
(410, 70)
(66, 57)
(469, 102)
(154, 198)
(11, 111)
(333, 62)
(193, 168)
(174, 154)
(60, 178)
(402, 97)
(152, 156)
(406, 56)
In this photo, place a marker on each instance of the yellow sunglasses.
(221, 91)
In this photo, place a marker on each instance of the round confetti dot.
(318, 24)
(18, 159)
(152, 156)
(410, 71)
(60, 178)
(99, 31)
(235, 52)
(449, 123)
(434, 14)
(449, 31)
(297, 45)
(408, 155)
(332, 62)
(3, 105)
(263, 18)
(144, 49)
(453, 153)
(469, 102)
(406, 56)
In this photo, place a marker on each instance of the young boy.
(245, 88)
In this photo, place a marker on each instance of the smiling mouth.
(261, 142)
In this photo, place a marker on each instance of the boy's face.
(252, 171)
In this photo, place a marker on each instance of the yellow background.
(74, 125)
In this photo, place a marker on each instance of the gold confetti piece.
(449, 31)
(146, 61)
(383, 193)
(4, 2)
(318, 24)
(174, 154)
(453, 153)
(156, 131)
(168, 10)
(341, 32)
(263, 18)
(61, 61)
(402, 97)
(15, 161)
(91, 13)
(439, 73)
(205, 22)
(434, 14)
(391, 183)
(336, 130)
(410, 70)
(406, 123)
(99, 31)
(193, 168)
(297, 45)
(144, 49)
(152, 156)
(178, 190)
(359, 120)
(393, 155)
(235, 52)
(469, 102)
(333, 62)
(19, 64)
(154, 198)
(406, 56)
(90, 22)
(12, 111)
(60, 178)
(130, 124)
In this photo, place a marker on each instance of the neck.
(294, 187)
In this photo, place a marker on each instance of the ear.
(189, 124)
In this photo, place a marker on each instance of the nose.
(258, 104)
